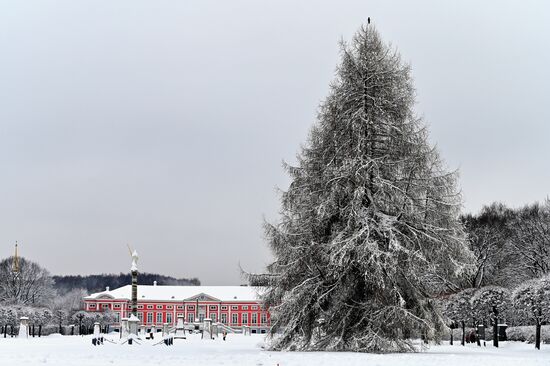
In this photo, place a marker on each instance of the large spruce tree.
(369, 226)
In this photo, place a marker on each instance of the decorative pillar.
(133, 325)
(134, 271)
(180, 327)
(96, 330)
(124, 328)
(207, 329)
(24, 327)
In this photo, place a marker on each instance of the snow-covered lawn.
(246, 350)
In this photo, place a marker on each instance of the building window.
(180, 307)
(224, 307)
(91, 306)
(224, 318)
(149, 318)
(234, 319)
(140, 317)
(169, 318)
(245, 307)
(104, 306)
(117, 317)
(245, 318)
(140, 306)
(149, 306)
(159, 318)
(201, 317)
(254, 318)
(264, 318)
(159, 306)
(214, 317)
(190, 317)
(234, 307)
(180, 315)
(169, 307)
(254, 308)
(117, 306)
(190, 307)
(213, 307)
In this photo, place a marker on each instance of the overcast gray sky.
(163, 124)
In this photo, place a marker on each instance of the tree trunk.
(537, 336)
(463, 341)
(495, 331)
(40, 330)
(33, 330)
(451, 327)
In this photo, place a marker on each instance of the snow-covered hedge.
(527, 334)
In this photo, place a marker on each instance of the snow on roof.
(171, 293)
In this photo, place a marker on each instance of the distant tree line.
(96, 283)
(510, 245)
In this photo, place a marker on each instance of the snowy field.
(247, 350)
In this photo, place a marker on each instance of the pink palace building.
(234, 306)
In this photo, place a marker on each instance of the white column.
(207, 329)
(96, 330)
(24, 327)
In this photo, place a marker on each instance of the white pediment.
(201, 297)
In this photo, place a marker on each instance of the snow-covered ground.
(247, 350)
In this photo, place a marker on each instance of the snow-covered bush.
(488, 303)
(526, 333)
(458, 308)
(532, 301)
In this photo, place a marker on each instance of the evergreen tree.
(369, 226)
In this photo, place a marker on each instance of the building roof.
(180, 293)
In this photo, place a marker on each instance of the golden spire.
(16, 260)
